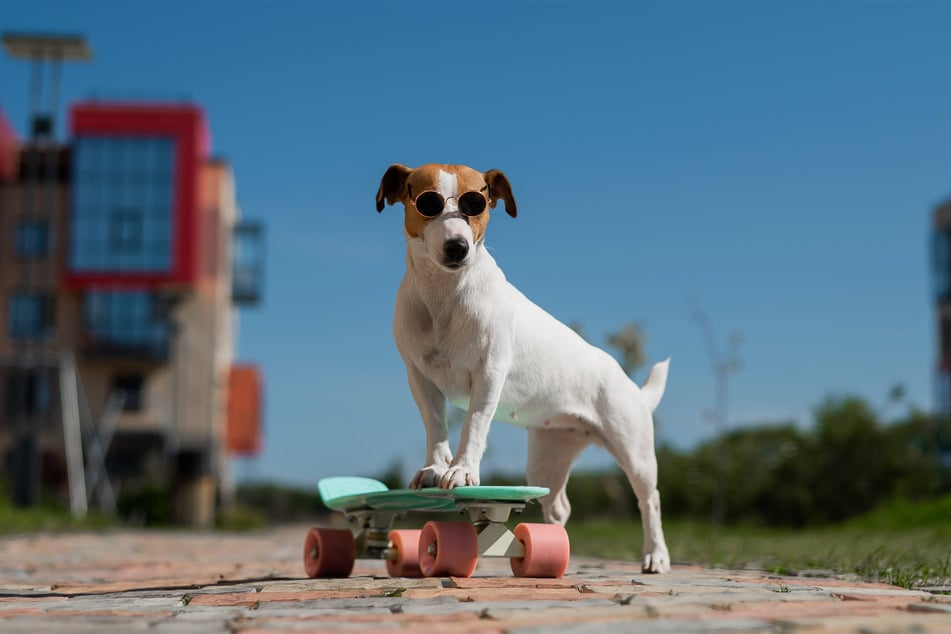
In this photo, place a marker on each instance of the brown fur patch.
(499, 188)
(401, 184)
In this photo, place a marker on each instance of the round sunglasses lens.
(472, 203)
(429, 204)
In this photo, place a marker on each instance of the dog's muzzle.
(455, 251)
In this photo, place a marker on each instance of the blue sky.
(774, 164)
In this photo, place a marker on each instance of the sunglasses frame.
(446, 199)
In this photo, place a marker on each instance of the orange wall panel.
(245, 401)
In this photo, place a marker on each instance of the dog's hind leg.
(550, 455)
(656, 557)
(635, 455)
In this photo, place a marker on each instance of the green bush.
(145, 505)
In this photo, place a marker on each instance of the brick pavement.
(183, 582)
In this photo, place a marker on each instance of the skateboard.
(440, 548)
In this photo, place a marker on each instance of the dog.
(467, 335)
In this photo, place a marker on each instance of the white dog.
(467, 335)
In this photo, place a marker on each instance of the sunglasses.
(431, 203)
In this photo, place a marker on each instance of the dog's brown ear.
(499, 188)
(393, 186)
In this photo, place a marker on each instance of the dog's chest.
(447, 345)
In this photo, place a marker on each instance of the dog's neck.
(436, 286)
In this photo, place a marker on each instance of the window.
(30, 315)
(130, 387)
(247, 263)
(941, 261)
(28, 393)
(125, 319)
(122, 216)
(125, 230)
(944, 345)
(32, 238)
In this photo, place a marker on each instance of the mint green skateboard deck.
(439, 548)
(348, 494)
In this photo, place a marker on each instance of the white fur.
(468, 335)
(447, 184)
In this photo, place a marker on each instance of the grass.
(46, 518)
(903, 544)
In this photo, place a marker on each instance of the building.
(941, 270)
(122, 262)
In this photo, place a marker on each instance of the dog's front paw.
(459, 476)
(656, 562)
(429, 476)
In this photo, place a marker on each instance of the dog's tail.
(653, 389)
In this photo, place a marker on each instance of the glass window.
(30, 315)
(247, 269)
(941, 257)
(122, 217)
(32, 238)
(124, 319)
(28, 392)
(125, 230)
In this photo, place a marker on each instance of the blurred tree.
(897, 393)
(629, 344)
(893, 400)
(393, 475)
(847, 464)
(578, 328)
(913, 465)
(768, 476)
(850, 474)
(280, 502)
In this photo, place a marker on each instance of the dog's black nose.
(455, 250)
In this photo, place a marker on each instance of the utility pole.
(34, 306)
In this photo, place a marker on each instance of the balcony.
(154, 350)
(247, 267)
(124, 325)
(941, 263)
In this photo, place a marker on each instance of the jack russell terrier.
(469, 336)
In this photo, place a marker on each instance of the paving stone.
(351, 583)
(480, 627)
(925, 606)
(315, 610)
(887, 591)
(256, 598)
(659, 626)
(24, 589)
(559, 615)
(8, 604)
(896, 623)
(73, 626)
(434, 605)
(533, 606)
(142, 605)
(504, 594)
(511, 582)
(174, 626)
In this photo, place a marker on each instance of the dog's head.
(445, 206)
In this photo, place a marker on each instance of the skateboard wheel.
(547, 551)
(329, 552)
(448, 549)
(405, 546)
